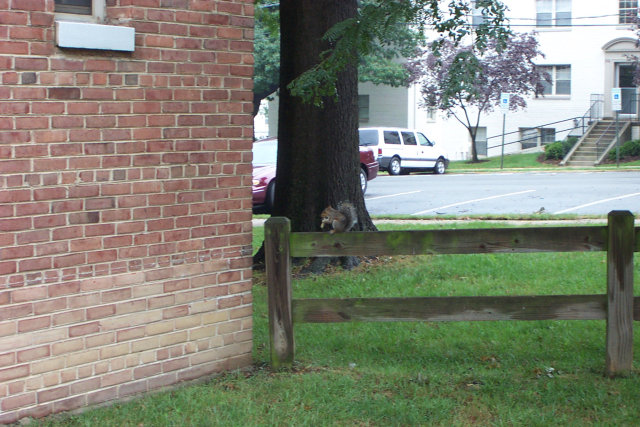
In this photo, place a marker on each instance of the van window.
(391, 137)
(423, 140)
(409, 138)
(368, 137)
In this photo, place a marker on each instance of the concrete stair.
(587, 153)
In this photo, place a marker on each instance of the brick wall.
(125, 203)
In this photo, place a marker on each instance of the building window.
(431, 114)
(528, 137)
(553, 13)
(534, 137)
(560, 76)
(78, 7)
(548, 135)
(477, 18)
(81, 10)
(363, 108)
(628, 11)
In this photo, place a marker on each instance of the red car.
(264, 172)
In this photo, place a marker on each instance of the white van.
(404, 150)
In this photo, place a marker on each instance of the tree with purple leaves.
(465, 83)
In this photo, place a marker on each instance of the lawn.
(522, 161)
(484, 373)
(510, 162)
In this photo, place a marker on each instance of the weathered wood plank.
(620, 292)
(278, 268)
(417, 242)
(618, 307)
(447, 309)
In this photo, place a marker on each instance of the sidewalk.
(258, 222)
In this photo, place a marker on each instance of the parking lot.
(585, 193)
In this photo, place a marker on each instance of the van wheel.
(394, 166)
(363, 180)
(440, 167)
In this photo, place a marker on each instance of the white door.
(625, 81)
(391, 148)
(428, 153)
(412, 159)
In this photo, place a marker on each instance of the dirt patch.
(541, 159)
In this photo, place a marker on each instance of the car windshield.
(265, 152)
(368, 137)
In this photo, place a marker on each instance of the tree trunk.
(474, 150)
(318, 160)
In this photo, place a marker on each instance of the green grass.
(623, 164)
(511, 161)
(521, 161)
(537, 373)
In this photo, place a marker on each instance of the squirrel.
(341, 219)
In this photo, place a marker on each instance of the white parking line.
(575, 208)
(473, 201)
(393, 195)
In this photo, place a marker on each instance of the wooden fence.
(618, 238)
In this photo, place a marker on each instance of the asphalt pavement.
(505, 193)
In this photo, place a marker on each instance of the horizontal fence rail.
(471, 241)
(619, 238)
(453, 309)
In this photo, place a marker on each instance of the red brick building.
(125, 200)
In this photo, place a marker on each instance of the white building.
(588, 46)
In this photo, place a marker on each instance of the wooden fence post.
(620, 292)
(278, 267)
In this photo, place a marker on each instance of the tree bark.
(473, 131)
(318, 160)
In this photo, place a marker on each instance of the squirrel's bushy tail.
(349, 211)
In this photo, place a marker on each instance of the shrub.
(568, 144)
(554, 151)
(628, 149)
(557, 150)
